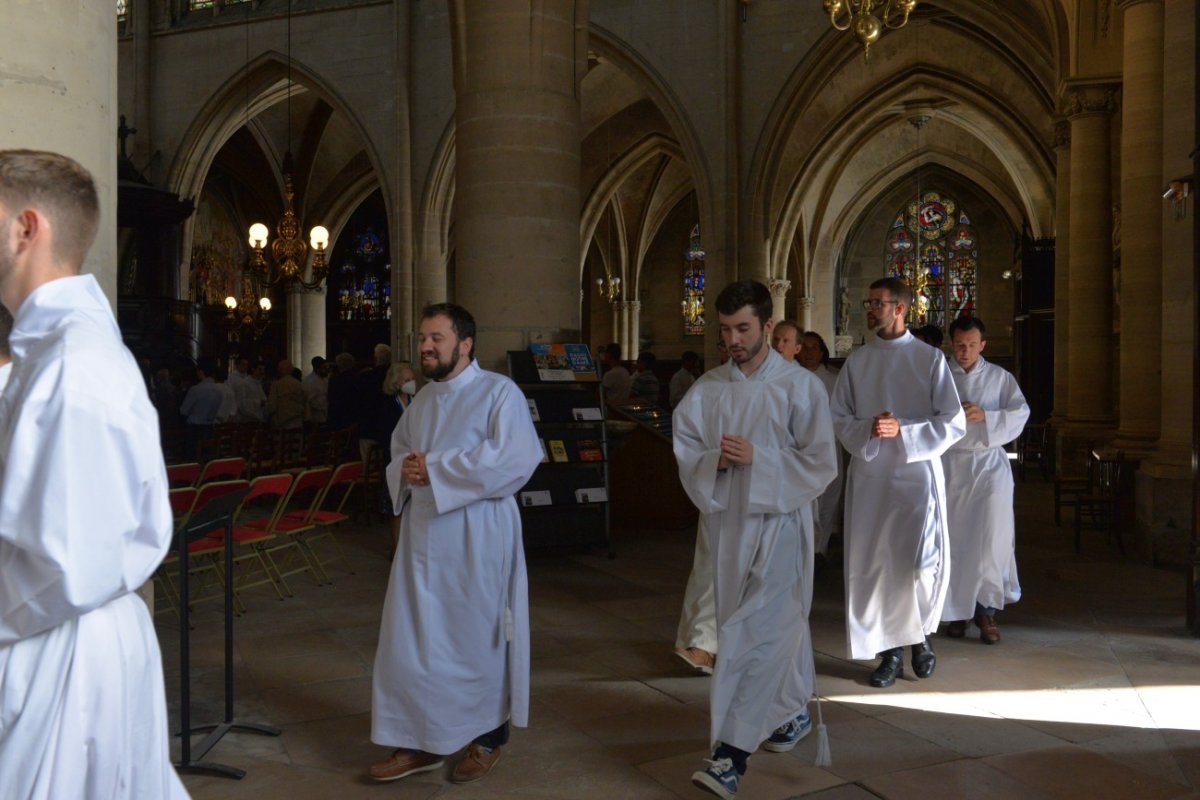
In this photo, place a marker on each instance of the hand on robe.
(974, 412)
(414, 469)
(886, 426)
(736, 451)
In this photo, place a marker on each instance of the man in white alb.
(814, 356)
(452, 667)
(755, 448)
(979, 488)
(84, 512)
(895, 411)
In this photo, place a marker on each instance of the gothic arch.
(261, 85)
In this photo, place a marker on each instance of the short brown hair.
(61, 189)
(898, 289)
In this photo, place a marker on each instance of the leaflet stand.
(217, 513)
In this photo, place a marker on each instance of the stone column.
(779, 289)
(1090, 286)
(306, 329)
(616, 321)
(1062, 269)
(635, 328)
(516, 81)
(59, 68)
(1141, 212)
(806, 306)
(621, 329)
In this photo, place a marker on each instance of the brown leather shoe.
(699, 660)
(957, 629)
(475, 764)
(403, 763)
(988, 632)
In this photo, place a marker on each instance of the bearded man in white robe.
(755, 448)
(895, 410)
(84, 512)
(452, 667)
(979, 487)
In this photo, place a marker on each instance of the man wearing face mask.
(895, 410)
(452, 667)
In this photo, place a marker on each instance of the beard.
(442, 368)
(751, 351)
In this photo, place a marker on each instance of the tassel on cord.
(824, 754)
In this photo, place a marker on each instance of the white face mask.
(409, 387)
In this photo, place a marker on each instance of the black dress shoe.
(891, 666)
(923, 659)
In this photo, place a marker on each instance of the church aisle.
(1091, 693)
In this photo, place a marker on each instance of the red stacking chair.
(291, 524)
(203, 554)
(264, 501)
(223, 469)
(181, 475)
(328, 514)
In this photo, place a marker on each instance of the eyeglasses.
(875, 305)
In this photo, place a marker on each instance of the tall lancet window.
(931, 246)
(693, 285)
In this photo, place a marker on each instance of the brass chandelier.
(254, 315)
(868, 18)
(288, 250)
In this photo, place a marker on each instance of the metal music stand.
(216, 513)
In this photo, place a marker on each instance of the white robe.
(897, 556)
(698, 619)
(453, 657)
(759, 520)
(825, 510)
(84, 521)
(979, 488)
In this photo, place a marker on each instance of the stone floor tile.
(1077, 772)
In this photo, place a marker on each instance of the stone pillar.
(616, 321)
(1164, 480)
(1141, 212)
(306, 329)
(806, 306)
(516, 80)
(1090, 286)
(621, 330)
(1062, 268)
(779, 289)
(635, 328)
(59, 68)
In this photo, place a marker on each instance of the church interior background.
(587, 171)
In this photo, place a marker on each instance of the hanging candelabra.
(868, 18)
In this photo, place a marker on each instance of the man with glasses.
(895, 410)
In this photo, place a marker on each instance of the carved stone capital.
(1062, 134)
(778, 288)
(805, 303)
(1086, 100)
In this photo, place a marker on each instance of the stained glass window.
(693, 285)
(122, 10)
(931, 246)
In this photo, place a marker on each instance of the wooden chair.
(1103, 503)
(1068, 486)
(1033, 448)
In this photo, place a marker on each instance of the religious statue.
(843, 311)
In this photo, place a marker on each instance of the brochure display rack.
(565, 502)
